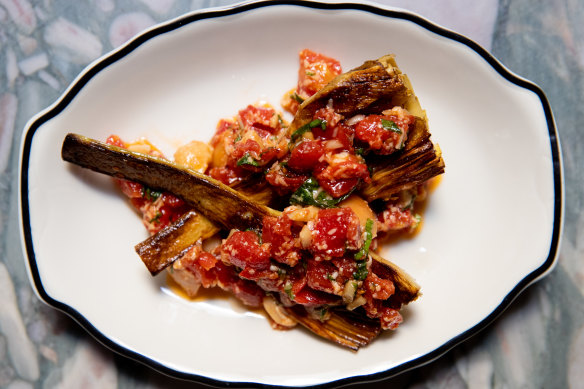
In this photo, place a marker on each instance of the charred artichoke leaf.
(406, 288)
(343, 327)
(419, 161)
(218, 202)
(371, 88)
(172, 242)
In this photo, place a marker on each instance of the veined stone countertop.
(538, 342)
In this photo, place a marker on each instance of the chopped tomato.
(247, 155)
(306, 155)
(131, 189)
(202, 270)
(345, 267)
(337, 188)
(261, 118)
(248, 292)
(341, 135)
(227, 175)
(158, 209)
(379, 288)
(321, 275)
(335, 230)
(385, 134)
(389, 317)
(207, 261)
(329, 116)
(316, 70)
(243, 249)
(342, 173)
(285, 247)
(308, 296)
(223, 126)
(158, 214)
(393, 218)
(116, 141)
(284, 180)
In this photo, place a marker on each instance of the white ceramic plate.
(491, 228)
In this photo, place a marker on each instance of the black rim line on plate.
(89, 73)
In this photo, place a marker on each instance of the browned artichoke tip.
(172, 242)
(419, 161)
(406, 288)
(343, 327)
(373, 87)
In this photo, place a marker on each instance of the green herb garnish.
(150, 194)
(237, 139)
(309, 73)
(362, 271)
(311, 193)
(156, 218)
(247, 160)
(296, 97)
(418, 219)
(391, 126)
(364, 251)
(289, 292)
(307, 127)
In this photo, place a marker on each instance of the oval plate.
(491, 228)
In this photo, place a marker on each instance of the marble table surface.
(538, 342)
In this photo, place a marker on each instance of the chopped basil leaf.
(362, 271)
(310, 193)
(329, 277)
(418, 219)
(297, 98)
(318, 122)
(307, 127)
(150, 194)
(280, 120)
(391, 126)
(364, 251)
(289, 292)
(309, 73)
(406, 199)
(237, 139)
(156, 218)
(247, 160)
